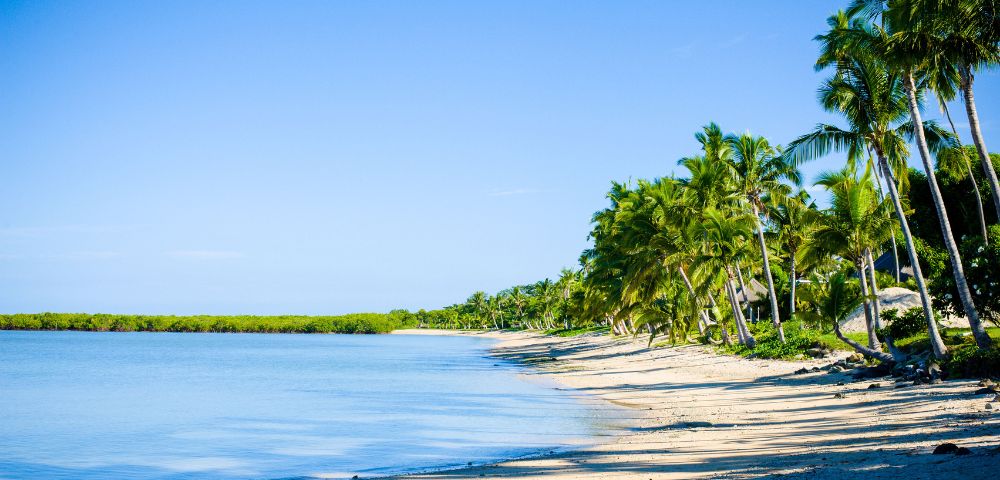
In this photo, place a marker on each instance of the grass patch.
(769, 344)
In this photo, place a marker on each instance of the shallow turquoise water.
(88, 405)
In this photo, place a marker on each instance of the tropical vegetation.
(734, 251)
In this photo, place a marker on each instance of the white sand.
(765, 421)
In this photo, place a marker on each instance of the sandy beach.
(697, 414)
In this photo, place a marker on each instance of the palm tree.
(873, 100)
(906, 51)
(726, 234)
(856, 221)
(759, 173)
(545, 291)
(479, 302)
(837, 300)
(795, 217)
(517, 299)
(567, 278)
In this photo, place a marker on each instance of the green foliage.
(573, 332)
(982, 272)
(969, 361)
(906, 325)
(769, 344)
(350, 323)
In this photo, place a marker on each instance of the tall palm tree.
(479, 303)
(857, 220)
(545, 290)
(518, 300)
(567, 278)
(906, 51)
(873, 100)
(795, 218)
(726, 234)
(761, 172)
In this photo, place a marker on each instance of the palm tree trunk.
(895, 257)
(703, 315)
(723, 332)
(767, 274)
(743, 290)
(791, 277)
(741, 325)
(972, 177)
(978, 331)
(741, 331)
(876, 306)
(977, 137)
(937, 344)
(873, 342)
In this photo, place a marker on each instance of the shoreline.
(700, 414)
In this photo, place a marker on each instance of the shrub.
(769, 343)
(982, 272)
(350, 323)
(910, 324)
(969, 361)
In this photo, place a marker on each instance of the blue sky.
(329, 157)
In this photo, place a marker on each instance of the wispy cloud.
(205, 254)
(515, 191)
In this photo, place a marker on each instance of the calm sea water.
(87, 405)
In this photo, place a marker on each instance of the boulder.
(945, 448)
(874, 386)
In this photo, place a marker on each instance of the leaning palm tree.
(839, 297)
(873, 100)
(760, 172)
